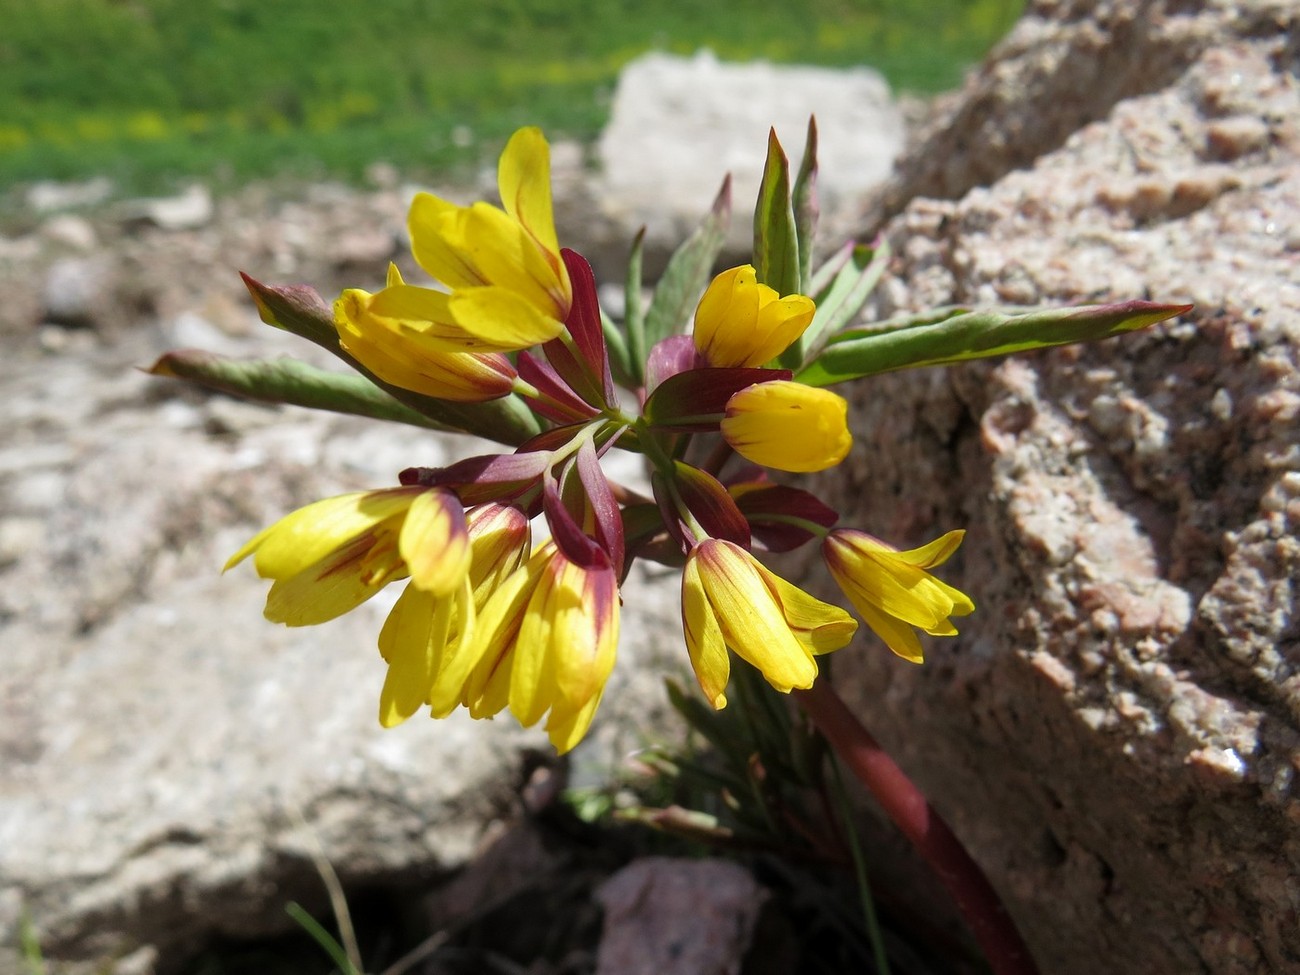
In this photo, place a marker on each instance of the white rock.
(679, 125)
(188, 210)
(70, 231)
(48, 196)
(78, 290)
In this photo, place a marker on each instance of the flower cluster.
(491, 618)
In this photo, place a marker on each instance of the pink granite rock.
(1116, 733)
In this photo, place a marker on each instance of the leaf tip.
(162, 367)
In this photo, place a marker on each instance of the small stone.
(18, 536)
(1230, 138)
(189, 210)
(78, 291)
(372, 245)
(688, 917)
(191, 330)
(48, 196)
(70, 231)
(383, 176)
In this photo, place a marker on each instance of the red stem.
(911, 812)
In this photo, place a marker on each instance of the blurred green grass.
(150, 92)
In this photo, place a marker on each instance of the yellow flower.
(426, 636)
(788, 426)
(892, 590)
(741, 323)
(409, 353)
(333, 555)
(509, 285)
(729, 599)
(546, 641)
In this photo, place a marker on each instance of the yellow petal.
(532, 674)
(892, 592)
(323, 591)
(897, 588)
(423, 315)
(524, 179)
(496, 636)
(566, 726)
(821, 627)
(304, 537)
(788, 426)
(934, 553)
(780, 322)
(430, 222)
(401, 356)
(434, 542)
(898, 636)
(750, 618)
(742, 323)
(583, 607)
(508, 257)
(502, 317)
(704, 641)
(499, 543)
(725, 317)
(459, 657)
(412, 642)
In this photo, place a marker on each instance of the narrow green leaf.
(976, 335)
(289, 381)
(30, 944)
(688, 272)
(844, 298)
(706, 721)
(634, 313)
(322, 937)
(300, 310)
(806, 208)
(620, 363)
(776, 244)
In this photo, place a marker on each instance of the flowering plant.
(717, 383)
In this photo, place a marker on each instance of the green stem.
(663, 463)
(860, 872)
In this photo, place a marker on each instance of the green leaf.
(322, 937)
(776, 243)
(634, 313)
(620, 363)
(300, 310)
(843, 299)
(688, 273)
(289, 381)
(976, 335)
(805, 205)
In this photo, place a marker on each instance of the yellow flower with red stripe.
(422, 355)
(426, 635)
(730, 599)
(893, 591)
(508, 283)
(333, 555)
(545, 645)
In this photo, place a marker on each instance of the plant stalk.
(912, 813)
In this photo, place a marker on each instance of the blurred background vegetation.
(151, 91)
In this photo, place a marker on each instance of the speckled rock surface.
(1065, 64)
(1116, 733)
